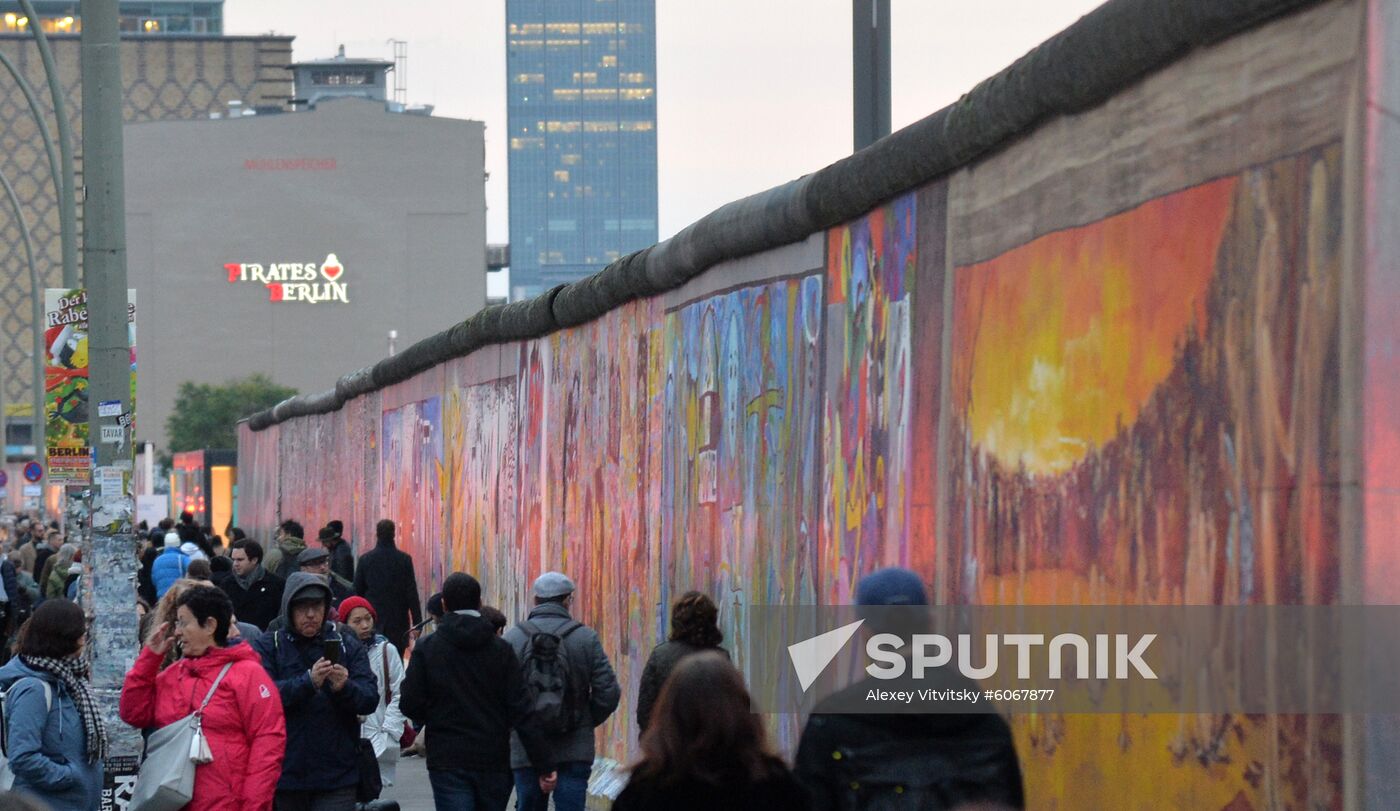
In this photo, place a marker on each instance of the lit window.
(588, 77)
(566, 93)
(562, 28)
(609, 61)
(151, 25)
(636, 93)
(561, 175)
(632, 78)
(570, 160)
(560, 126)
(529, 78)
(600, 126)
(599, 93)
(638, 126)
(526, 28)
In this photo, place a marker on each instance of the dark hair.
(187, 533)
(695, 620)
(337, 526)
(237, 534)
(250, 547)
(187, 517)
(704, 729)
(384, 531)
(199, 570)
(166, 524)
(461, 592)
(494, 616)
(204, 603)
(293, 529)
(53, 631)
(325, 534)
(435, 605)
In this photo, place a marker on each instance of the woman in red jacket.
(243, 722)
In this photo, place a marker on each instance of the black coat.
(385, 578)
(929, 760)
(260, 603)
(465, 683)
(660, 663)
(343, 560)
(778, 792)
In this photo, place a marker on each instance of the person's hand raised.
(160, 640)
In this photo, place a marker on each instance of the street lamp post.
(37, 307)
(37, 304)
(68, 210)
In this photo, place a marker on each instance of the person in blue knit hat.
(911, 759)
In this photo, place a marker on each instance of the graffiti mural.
(865, 519)
(1138, 410)
(1145, 413)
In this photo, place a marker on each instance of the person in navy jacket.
(323, 700)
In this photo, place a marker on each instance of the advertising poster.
(66, 405)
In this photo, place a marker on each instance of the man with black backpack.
(571, 688)
(464, 683)
(936, 761)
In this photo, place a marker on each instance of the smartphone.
(332, 651)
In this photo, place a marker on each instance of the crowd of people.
(315, 673)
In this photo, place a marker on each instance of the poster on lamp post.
(67, 406)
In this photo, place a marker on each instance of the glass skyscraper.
(581, 105)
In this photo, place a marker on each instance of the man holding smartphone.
(326, 685)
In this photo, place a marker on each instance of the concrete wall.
(1114, 362)
(399, 199)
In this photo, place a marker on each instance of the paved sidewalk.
(414, 793)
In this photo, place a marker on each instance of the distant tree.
(206, 416)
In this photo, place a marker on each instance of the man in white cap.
(572, 688)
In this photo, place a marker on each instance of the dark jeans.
(341, 799)
(462, 790)
(569, 795)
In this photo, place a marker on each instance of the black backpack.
(550, 678)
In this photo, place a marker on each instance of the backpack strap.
(5, 700)
(388, 687)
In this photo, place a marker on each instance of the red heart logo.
(331, 268)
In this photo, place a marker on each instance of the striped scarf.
(73, 673)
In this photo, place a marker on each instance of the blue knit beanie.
(891, 586)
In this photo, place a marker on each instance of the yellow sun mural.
(1062, 340)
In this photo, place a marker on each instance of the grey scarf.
(252, 577)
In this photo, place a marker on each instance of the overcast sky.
(750, 93)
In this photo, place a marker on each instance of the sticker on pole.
(109, 408)
(33, 472)
(113, 434)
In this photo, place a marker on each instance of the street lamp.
(67, 207)
(37, 306)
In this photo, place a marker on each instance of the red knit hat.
(351, 603)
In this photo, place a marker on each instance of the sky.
(750, 93)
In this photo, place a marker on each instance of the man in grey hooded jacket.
(323, 699)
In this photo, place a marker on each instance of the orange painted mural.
(1144, 412)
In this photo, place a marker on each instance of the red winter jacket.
(243, 722)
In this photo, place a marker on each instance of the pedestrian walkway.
(413, 792)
